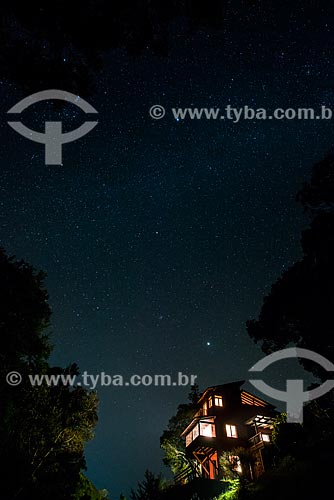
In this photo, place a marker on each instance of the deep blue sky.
(161, 236)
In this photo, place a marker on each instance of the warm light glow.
(207, 429)
(202, 428)
(231, 431)
(218, 401)
(266, 438)
(205, 408)
(235, 461)
(250, 399)
(210, 402)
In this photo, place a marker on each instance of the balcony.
(259, 440)
(204, 427)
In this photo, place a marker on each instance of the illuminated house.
(229, 418)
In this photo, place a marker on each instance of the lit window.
(218, 401)
(189, 438)
(231, 431)
(202, 428)
(192, 435)
(266, 438)
(205, 408)
(210, 402)
(207, 429)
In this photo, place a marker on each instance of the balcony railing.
(187, 475)
(257, 439)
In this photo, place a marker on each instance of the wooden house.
(229, 418)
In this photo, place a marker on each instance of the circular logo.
(14, 378)
(157, 112)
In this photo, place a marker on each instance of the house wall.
(235, 412)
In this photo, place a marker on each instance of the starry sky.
(161, 237)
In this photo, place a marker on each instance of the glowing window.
(205, 408)
(189, 438)
(210, 402)
(192, 435)
(231, 431)
(218, 401)
(207, 429)
(266, 438)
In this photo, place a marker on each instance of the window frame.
(231, 431)
(196, 431)
(220, 399)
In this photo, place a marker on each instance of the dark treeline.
(43, 429)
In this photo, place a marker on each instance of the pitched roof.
(220, 387)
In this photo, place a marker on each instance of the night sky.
(160, 238)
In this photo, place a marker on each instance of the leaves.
(171, 441)
(43, 428)
(300, 306)
(151, 488)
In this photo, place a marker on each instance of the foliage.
(299, 308)
(318, 195)
(319, 419)
(45, 44)
(233, 488)
(24, 314)
(229, 461)
(197, 489)
(43, 429)
(151, 488)
(87, 491)
(280, 420)
(288, 438)
(171, 441)
(307, 477)
(227, 466)
(235, 482)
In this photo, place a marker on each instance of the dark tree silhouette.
(300, 306)
(24, 313)
(151, 488)
(61, 43)
(43, 428)
(171, 441)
